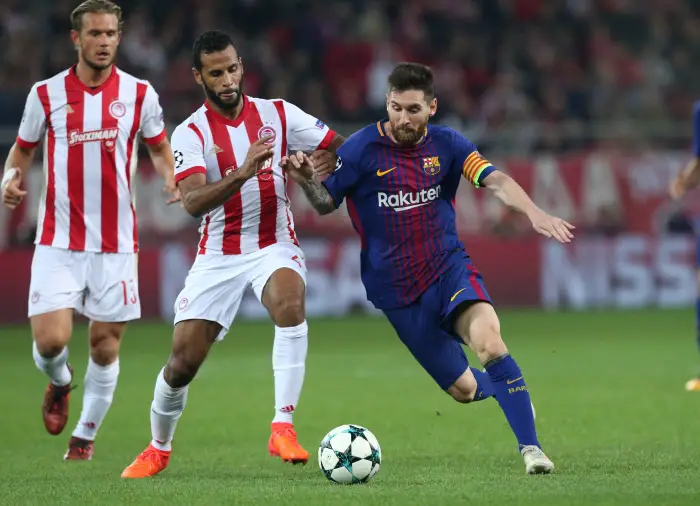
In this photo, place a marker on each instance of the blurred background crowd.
(519, 76)
(587, 103)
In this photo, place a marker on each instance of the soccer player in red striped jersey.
(226, 167)
(89, 118)
(686, 180)
(399, 178)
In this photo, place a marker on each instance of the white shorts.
(215, 285)
(102, 286)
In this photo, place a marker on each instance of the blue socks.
(484, 386)
(511, 392)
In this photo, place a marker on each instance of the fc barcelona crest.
(431, 165)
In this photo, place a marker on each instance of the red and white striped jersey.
(90, 143)
(211, 144)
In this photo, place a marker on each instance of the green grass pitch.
(608, 388)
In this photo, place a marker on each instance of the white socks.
(100, 384)
(168, 404)
(289, 365)
(55, 368)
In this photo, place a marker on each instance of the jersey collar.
(73, 76)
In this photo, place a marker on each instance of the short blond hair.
(94, 7)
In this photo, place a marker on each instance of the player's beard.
(407, 136)
(98, 65)
(224, 105)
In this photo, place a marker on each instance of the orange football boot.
(693, 385)
(149, 463)
(283, 444)
(79, 449)
(55, 407)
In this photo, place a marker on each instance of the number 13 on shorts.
(129, 291)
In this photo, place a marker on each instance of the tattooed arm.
(318, 196)
(300, 167)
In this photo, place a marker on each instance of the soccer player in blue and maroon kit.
(399, 178)
(688, 179)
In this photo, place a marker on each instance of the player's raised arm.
(21, 154)
(154, 135)
(199, 197)
(511, 194)
(480, 172)
(689, 177)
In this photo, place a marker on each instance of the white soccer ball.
(349, 454)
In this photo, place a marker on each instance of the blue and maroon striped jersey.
(691, 206)
(401, 203)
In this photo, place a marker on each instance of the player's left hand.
(552, 227)
(324, 162)
(171, 188)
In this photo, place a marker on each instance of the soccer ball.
(349, 454)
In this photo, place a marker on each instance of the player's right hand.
(12, 194)
(299, 166)
(677, 188)
(258, 155)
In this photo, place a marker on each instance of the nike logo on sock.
(510, 382)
